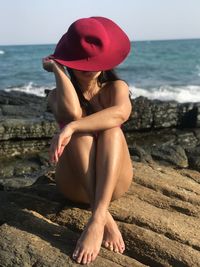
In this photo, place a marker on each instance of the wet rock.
(165, 114)
(197, 135)
(170, 153)
(19, 128)
(194, 157)
(188, 115)
(198, 115)
(155, 114)
(187, 140)
(139, 154)
(141, 116)
(13, 148)
(23, 170)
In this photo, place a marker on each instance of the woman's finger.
(53, 147)
(61, 150)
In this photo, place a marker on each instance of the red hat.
(92, 44)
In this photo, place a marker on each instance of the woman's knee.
(111, 134)
(81, 140)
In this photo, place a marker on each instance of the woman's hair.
(105, 76)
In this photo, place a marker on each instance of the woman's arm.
(113, 116)
(67, 105)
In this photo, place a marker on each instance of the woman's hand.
(59, 142)
(49, 64)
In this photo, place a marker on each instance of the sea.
(164, 70)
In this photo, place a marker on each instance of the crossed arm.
(114, 115)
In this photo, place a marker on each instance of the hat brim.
(119, 50)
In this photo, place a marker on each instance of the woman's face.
(86, 75)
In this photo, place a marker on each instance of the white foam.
(2, 52)
(181, 94)
(30, 89)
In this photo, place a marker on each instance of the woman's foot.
(112, 238)
(89, 243)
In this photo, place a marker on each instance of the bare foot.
(112, 238)
(89, 243)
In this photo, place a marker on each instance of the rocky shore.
(158, 217)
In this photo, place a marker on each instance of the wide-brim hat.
(92, 44)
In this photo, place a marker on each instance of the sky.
(45, 21)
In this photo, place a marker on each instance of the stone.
(173, 154)
(141, 116)
(186, 140)
(159, 219)
(140, 153)
(193, 155)
(188, 115)
(165, 114)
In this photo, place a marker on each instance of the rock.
(186, 140)
(20, 111)
(197, 135)
(141, 116)
(158, 217)
(156, 114)
(193, 155)
(198, 115)
(165, 114)
(140, 154)
(188, 115)
(14, 148)
(170, 153)
(18, 98)
(19, 128)
(23, 170)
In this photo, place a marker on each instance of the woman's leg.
(75, 171)
(113, 177)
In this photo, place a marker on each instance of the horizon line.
(142, 40)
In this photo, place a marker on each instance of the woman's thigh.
(114, 138)
(126, 173)
(76, 167)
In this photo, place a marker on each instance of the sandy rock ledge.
(159, 218)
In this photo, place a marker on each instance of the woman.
(90, 104)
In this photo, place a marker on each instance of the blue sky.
(44, 21)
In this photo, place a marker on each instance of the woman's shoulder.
(112, 89)
(115, 87)
(116, 84)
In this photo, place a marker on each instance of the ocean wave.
(30, 88)
(198, 70)
(181, 94)
(2, 52)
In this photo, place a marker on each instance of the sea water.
(165, 70)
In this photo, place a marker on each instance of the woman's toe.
(122, 247)
(85, 258)
(116, 249)
(75, 253)
(111, 247)
(89, 257)
(80, 256)
(93, 256)
(106, 244)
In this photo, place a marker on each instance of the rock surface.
(159, 218)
